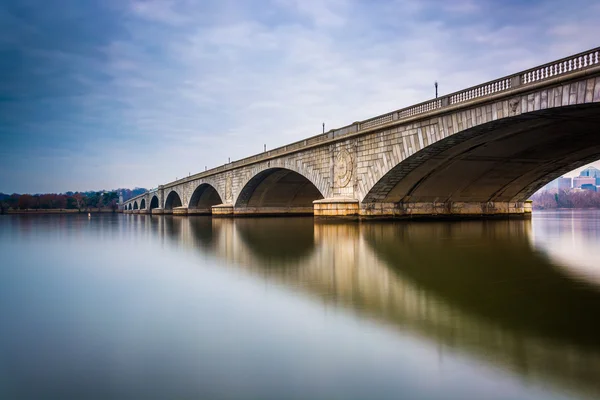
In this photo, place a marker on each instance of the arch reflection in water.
(476, 287)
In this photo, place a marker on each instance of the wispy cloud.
(163, 11)
(156, 89)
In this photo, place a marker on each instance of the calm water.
(141, 307)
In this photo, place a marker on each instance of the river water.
(147, 307)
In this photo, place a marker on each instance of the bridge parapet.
(568, 64)
(563, 66)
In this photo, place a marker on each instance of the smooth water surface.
(147, 307)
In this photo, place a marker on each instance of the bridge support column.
(136, 211)
(528, 208)
(199, 211)
(336, 207)
(180, 211)
(157, 211)
(273, 211)
(222, 210)
(447, 210)
(144, 211)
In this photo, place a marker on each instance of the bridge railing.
(586, 59)
(486, 89)
(560, 67)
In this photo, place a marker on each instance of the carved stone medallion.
(343, 168)
(513, 104)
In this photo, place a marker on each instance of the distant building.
(590, 171)
(561, 184)
(579, 181)
(564, 184)
(593, 173)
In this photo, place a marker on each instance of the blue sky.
(120, 93)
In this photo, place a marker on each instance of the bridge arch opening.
(154, 202)
(130, 206)
(278, 191)
(143, 204)
(506, 160)
(204, 197)
(135, 205)
(173, 200)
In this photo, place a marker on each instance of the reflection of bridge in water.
(474, 287)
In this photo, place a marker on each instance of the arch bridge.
(481, 151)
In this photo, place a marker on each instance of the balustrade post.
(445, 101)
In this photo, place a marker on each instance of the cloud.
(320, 13)
(172, 86)
(163, 11)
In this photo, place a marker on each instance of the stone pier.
(222, 210)
(180, 211)
(273, 211)
(336, 208)
(447, 210)
(199, 211)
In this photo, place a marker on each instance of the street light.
(436, 86)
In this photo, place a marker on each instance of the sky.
(101, 94)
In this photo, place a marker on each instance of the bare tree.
(79, 200)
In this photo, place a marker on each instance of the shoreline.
(61, 211)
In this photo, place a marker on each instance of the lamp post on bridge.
(436, 86)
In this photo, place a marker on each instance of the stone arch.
(278, 191)
(135, 205)
(130, 206)
(307, 172)
(173, 200)
(154, 202)
(203, 198)
(143, 204)
(504, 157)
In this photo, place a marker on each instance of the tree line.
(66, 201)
(566, 199)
